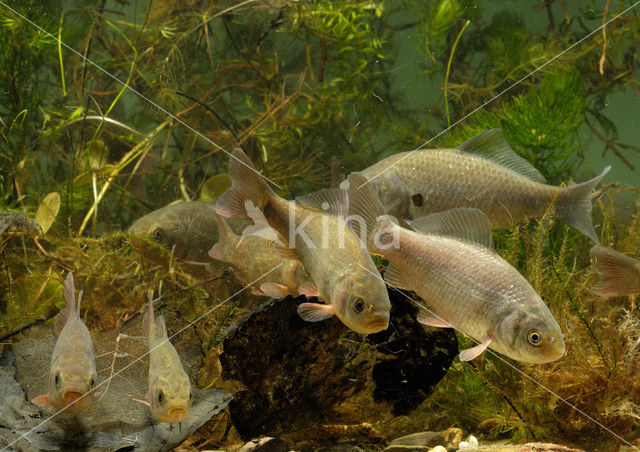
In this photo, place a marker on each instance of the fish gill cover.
(312, 91)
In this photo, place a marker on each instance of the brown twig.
(323, 59)
(603, 57)
(609, 144)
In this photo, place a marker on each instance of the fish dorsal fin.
(394, 277)
(329, 200)
(70, 307)
(464, 223)
(492, 146)
(161, 327)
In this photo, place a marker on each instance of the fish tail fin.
(246, 184)
(70, 308)
(574, 208)
(366, 212)
(226, 238)
(619, 274)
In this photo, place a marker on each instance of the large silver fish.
(449, 261)
(73, 366)
(253, 257)
(341, 269)
(619, 274)
(485, 173)
(169, 395)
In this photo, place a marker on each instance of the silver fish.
(485, 173)
(254, 256)
(73, 366)
(449, 261)
(318, 236)
(169, 395)
(619, 274)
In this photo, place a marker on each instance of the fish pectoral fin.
(474, 352)
(275, 290)
(429, 319)
(258, 292)
(41, 400)
(329, 200)
(315, 312)
(309, 290)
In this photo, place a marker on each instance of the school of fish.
(429, 213)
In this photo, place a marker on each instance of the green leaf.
(48, 211)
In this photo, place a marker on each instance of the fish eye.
(534, 337)
(358, 305)
(56, 379)
(157, 235)
(160, 396)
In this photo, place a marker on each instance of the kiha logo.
(332, 233)
(260, 226)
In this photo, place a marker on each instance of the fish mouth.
(377, 324)
(74, 401)
(175, 415)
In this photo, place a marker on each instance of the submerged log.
(298, 373)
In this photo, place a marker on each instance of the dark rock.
(265, 444)
(297, 373)
(415, 359)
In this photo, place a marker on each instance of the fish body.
(619, 274)
(449, 261)
(186, 229)
(485, 173)
(169, 395)
(257, 260)
(318, 236)
(73, 367)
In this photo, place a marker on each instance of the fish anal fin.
(309, 290)
(429, 319)
(329, 200)
(315, 312)
(42, 400)
(464, 223)
(473, 352)
(492, 146)
(275, 290)
(394, 277)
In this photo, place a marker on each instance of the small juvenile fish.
(318, 236)
(619, 274)
(449, 261)
(485, 173)
(73, 366)
(169, 395)
(254, 256)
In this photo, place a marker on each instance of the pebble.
(266, 444)
(438, 449)
(470, 443)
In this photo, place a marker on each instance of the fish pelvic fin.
(619, 274)
(246, 184)
(574, 206)
(366, 212)
(42, 400)
(275, 290)
(70, 308)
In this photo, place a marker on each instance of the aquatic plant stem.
(124, 161)
(446, 76)
(608, 144)
(64, 88)
(603, 57)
